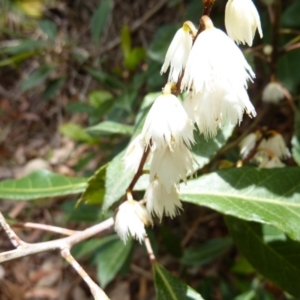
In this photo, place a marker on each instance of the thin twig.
(149, 250)
(15, 240)
(96, 291)
(50, 228)
(25, 249)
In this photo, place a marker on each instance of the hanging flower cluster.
(212, 72)
(269, 149)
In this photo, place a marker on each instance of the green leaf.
(262, 195)
(53, 87)
(49, 28)
(106, 79)
(37, 77)
(94, 193)
(125, 41)
(111, 257)
(288, 71)
(134, 58)
(77, 133)
(41, 184)
(200, 255)
(110, 127)
(117, 181)
(98, 97)
(278, 261)
(81, 213)
(100, 18)
(169, 287)
(290, 17)
(204, 150)
(21, 46)
(296, 140)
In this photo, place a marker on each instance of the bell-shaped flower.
(162, 202)
(273, 92)
(216, 74)
(242, 20)
(134, 153)
(248, 143)
(178, 53)
(131, 219)
(275, 144)
(267, 160)
(171, 165)
(167, 123)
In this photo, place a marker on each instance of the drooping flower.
(134, 153)
(275, 144)
(267, 160)
(160, 201)
(178, 52)
(248, 143)
(131, 219)
(216, 75)
(273, 92)
(242, 20)
(171, 165)
(167, 123)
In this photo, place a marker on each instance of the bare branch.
(15, 240)
(95, 289)
(25, 249)
(45, 227)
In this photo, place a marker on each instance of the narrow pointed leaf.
(278, 261)
(169, 287)
(111, 257)
(41, 184)
(263, 195)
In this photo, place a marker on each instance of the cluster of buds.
(268, 149)
(211, 71)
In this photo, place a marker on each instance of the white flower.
(178, 53)
(273, 92)
(270, 163)
(276, 144)
(134, 153)
(248, 143)
(131, 219)
(160, 201)
(215, 58)
(212, 109)
(242, 20)
(169, 166)
(217, 73)
(167, 123)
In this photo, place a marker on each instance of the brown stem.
(276, 8)
(208, 4)
(139, 171)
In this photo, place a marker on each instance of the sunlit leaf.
(41, 184)
(110, 127)
(262, 195)
(95, 191)
(77, 133)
